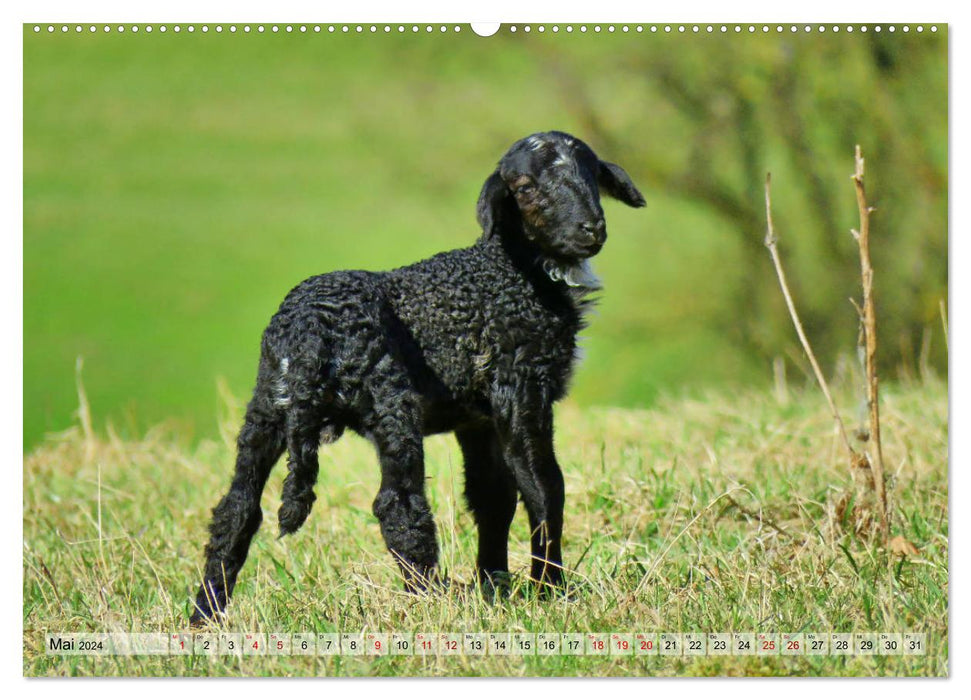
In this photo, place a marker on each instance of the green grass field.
(715, 514)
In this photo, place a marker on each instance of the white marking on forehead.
(536, 142)
(562, 159)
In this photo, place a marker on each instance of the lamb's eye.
(526, 189)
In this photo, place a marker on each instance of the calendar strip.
(627, 644)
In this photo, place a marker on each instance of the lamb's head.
(547, 188)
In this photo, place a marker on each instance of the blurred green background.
(176, 186)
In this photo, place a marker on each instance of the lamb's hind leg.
(237, 517)
(406, 519)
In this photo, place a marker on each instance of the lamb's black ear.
(617, 183)
(491, 201)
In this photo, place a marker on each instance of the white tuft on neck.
(575, 275)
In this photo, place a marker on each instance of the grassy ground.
(708, 515)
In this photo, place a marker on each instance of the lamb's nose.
(597, 230)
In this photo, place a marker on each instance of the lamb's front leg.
(525, 430)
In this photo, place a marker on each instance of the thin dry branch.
(869, 320)
(770, 243)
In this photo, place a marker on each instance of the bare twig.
(875, 453)
(770, 243)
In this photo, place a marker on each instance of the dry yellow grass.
(709, 514)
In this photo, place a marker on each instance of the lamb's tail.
(308, 402)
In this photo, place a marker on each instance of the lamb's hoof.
(200, 620)
(292, 515)
(495, 584)
(424, 580)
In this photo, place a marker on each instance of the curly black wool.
(480, 341)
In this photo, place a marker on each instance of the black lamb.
(480, 341)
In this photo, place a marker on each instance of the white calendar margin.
(440, 10)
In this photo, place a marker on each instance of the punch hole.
(485, 28)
